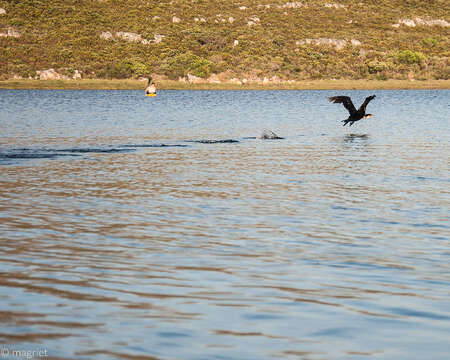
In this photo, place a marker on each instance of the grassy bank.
(175, 85)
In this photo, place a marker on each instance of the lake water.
(129, 231)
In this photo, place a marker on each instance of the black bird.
(355, 115)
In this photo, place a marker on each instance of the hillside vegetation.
(263, 40)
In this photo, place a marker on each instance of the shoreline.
(128, 84)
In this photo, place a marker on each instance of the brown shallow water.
(165, 229)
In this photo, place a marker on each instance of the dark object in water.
(355, 115)
(270, 135)
(35, 155)
(153, 145)
(94, 150)
(226, 141)
(29, 154)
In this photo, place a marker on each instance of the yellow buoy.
(150, 94)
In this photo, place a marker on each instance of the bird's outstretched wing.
(368, 99)
(346, 101)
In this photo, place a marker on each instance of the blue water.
(165, 228)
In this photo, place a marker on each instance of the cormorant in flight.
(355, 115)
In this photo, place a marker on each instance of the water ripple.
(116, 228)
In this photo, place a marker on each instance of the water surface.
(164, 228)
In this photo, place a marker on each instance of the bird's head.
(367, 116)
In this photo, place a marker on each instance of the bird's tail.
(345, 122)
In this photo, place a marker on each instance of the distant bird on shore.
(355, 115)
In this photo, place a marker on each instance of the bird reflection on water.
(348, 138)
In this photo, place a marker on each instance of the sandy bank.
(92, 84)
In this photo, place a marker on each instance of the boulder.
(214, 79)
(11, 33)
(235, 81)
(339, 44)
(291, 5)
(158, 38)
(106, 35)
(76, 75)
(49, 74)
(129, 36)
(194, 79)
(254, 20)
(275, 79)
(334, 5)
(421, 22)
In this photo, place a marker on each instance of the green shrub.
(125, 69)
(430, 42)
(278, 42)
(65, 54)
(410, 57)
(139, 69)
(121, 70)
(69, 71)
(383, 76)
(376, 66)
(441, 71)
(186, 63)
